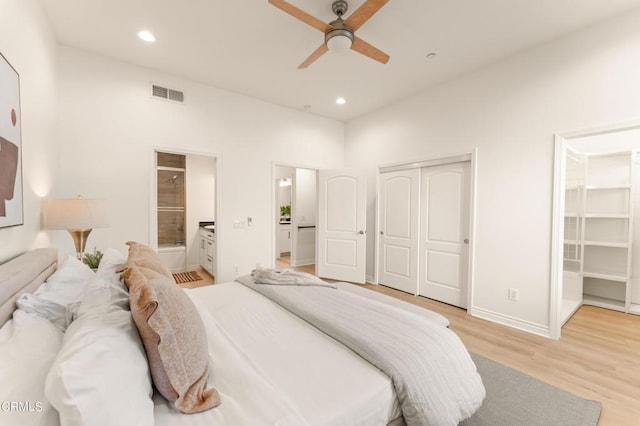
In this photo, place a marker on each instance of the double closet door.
(424, 231)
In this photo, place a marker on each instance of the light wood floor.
(598, 356)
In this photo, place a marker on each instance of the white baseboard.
(370, 280)
(509, 321)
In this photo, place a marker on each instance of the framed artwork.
(11, 206)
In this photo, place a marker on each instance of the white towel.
(286, 277)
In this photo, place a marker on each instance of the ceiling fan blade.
(363, 13)
(361, 46)
(300, 14)
(315, 55)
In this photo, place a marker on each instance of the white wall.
(510, 112)
(201, 190)
(109, 126)
(27, 43)
(306, 196)
(304, 208)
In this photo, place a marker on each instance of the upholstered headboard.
(24, 274)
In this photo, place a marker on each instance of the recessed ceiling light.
(341, 101)
(146, 36)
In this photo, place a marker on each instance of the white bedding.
(298, 375)
(269, 366)
(28, 346)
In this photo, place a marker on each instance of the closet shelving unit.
(572, 279)
(607, 230)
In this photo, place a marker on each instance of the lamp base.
(80, 240)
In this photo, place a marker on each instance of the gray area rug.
(515, 399)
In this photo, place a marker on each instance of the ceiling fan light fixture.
(339, 43)
(339, 34)
(339, 38)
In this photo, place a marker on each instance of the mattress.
(304, 376)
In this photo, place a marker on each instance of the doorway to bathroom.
(295, 201)
(183, 200)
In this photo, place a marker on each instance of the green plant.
(285, 210)
(92, 260)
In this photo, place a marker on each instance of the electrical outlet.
(235, 268)
(514, 294)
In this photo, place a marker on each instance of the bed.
(73, 353)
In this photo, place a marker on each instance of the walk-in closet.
(601, 235)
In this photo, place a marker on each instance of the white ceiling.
(253, 48)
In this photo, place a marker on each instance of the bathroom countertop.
(209, 226)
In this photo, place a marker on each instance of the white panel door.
(342, 217)
(399, 237)
(444, 236)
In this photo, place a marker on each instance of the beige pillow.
(173, 335)
(145, 256)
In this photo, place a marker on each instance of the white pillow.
(101, 376)
(26, 353)
(107, 276)
(111, 264)
(56, 299)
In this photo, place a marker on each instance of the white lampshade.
(339, 43)
(76, 213)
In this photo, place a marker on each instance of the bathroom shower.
(171, 199)
(184, 196)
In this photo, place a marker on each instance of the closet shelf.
(606, 244)
(603, 302)
(605, 187)
(606, 216)
(605, 276)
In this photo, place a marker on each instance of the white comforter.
(436, 381)
(272, 368)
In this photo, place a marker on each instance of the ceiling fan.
(339, 34)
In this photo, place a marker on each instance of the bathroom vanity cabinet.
(284, 239)
(208, 250)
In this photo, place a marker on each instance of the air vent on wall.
(166, 93)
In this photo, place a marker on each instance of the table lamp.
(78, 216)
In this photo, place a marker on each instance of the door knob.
(381, 232)
(466, 241)
(361, 232)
